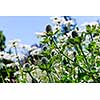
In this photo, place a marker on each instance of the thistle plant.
(66, 54)
(72, 54)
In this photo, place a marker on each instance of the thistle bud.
(74, 34)
(48, 28)
(44, 60)
(74, 53)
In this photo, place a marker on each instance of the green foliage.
(68, 56)
(82, 66)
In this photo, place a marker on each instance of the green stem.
(49, 77)
(2, 78)
(7, 72)
(71, 59)
(93, 61)
(33, 79)
(17, 57)
(83, 55)
(61, 51)
(20, 65)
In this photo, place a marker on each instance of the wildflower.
(10, 65)
(4, 55)
(70, 53)
(17, 73)
(33, 48)
(36, 51)
(13, 65)
(40, 33)
(57, 27)
(69, 34)
(57, 20)
(70, 22)
(7, 79)
(20, 56)
(14, 43)
(13, 57)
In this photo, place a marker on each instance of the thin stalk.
(93, 61)
(83, 55)
(52, 78)
(33, 79)
(2, 78)
(7, 72)
(69, 58)
(61, 51)
(49, 77)
(16, 52)
(20, 65)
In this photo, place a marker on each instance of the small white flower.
(14, 43)
(7, 56)
(36, 51)
(7, 79)
(13, 57)
(10, 65)
(21, 56)
(98, 43)
(17, 73)
(57, 27)
(69, 22)
(69, 34)
(18, 56)
(40, 33)
(13, 64)
(4, 55)
(57, 20)
(97, 57)
(89, 81)
(33, 48)
(70, 53)
(59, 44)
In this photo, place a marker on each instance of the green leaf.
(88, 28)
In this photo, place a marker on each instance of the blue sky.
(24, 27)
